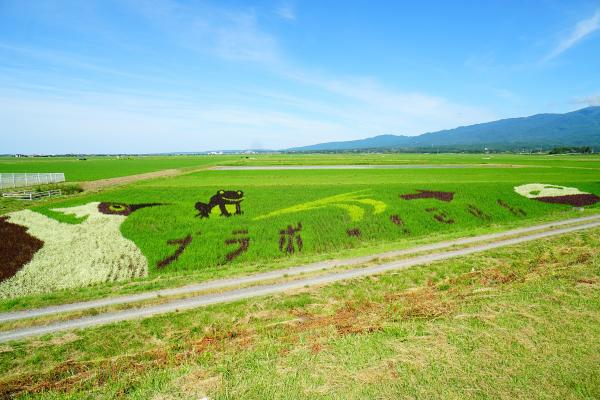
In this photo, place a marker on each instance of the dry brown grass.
(71, 374)
(424, 302)
(346, 320)
(198, 383)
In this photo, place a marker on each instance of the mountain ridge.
(576, 128)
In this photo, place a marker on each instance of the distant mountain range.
(577, 128)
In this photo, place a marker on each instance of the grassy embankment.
(519, 322)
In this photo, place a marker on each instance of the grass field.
(324, 229)
(521, 322)
(478, 327)
(296, 216)
(104, 167)
(561, 161)
(110, 166)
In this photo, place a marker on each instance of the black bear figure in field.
(221, 200)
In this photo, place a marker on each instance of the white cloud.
(506, 94)
(101, 121)
(360, 102)
(241, 40)
(593, 100)
(481, 62)
(581, 30)
(63, 59)
(144, 122)
(231, 34)
(314, 107)
(378, 109)
(287, 11)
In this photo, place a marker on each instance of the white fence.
(32, 195)
(20, 180)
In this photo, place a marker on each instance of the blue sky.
(156, 76)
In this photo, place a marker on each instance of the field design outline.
(97, 252)
(556, 194)
(221, 200)
(344, 201)
(429, 194)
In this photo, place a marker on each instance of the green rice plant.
(324, 215)
(355, 212)
(327, 203)
(93, 168)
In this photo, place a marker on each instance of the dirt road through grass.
(123, 180)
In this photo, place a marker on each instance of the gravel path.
(262, 290)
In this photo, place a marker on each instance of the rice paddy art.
(290, 239)
(182, 244)
(440, 216)
(555, 194)
(352, 203)
(133, 233)
(17, 248)
(516, 211)
(429, 194)
(396, 220)
(72, 255)
(122, 208)
(354, 232)
(477, 212)
(241, 239)
(227, 202)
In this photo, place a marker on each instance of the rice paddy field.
(212, 223)
(476, 327)
(92, 168)
(102, 167)
(326, 204)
